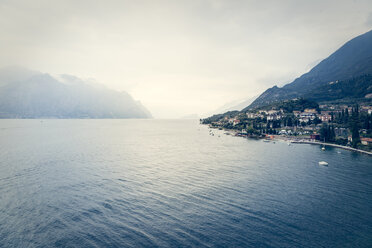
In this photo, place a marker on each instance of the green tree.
(327, 133)
(289, 121)
(354, 126)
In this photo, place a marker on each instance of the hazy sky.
(179, 57)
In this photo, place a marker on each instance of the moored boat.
(324, 163)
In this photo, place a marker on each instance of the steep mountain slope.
(43, 96)
(353, 59)
(351, 89)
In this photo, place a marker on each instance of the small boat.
(265, 140)
(323, 148)
(324, 163)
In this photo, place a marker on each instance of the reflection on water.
(115, 183)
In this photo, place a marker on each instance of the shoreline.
(333, 145)
(294, 141)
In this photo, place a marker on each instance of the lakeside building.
(367, 109)
(274, 117)
(306, 122)
(254, 115)
(313, 110)
(366, 141)
(306, 116)
(325, 117)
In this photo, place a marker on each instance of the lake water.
(168, 183)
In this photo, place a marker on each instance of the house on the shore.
(283, 132)
(236, 122)
(367, 109)
(366, 141)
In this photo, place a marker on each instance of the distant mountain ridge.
(31, 94)
(352, 60)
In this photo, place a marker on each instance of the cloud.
(172, 54)
(369, 20)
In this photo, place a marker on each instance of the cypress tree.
(354, 126)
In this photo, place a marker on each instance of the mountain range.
(345, 74)
(30, 94)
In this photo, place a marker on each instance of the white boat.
(324, 163)
(323, 148)
(265, 140)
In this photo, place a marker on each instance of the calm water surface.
(164, 183)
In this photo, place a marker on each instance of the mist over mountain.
(190, 117)
(236, 105)
(31, 94)
(352, 60)
(12, 74)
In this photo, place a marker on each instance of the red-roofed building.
(366, 141)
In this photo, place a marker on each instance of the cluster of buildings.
(268, 114)
(338, 108)
(305, 116)
(311, 114)
(298, 123)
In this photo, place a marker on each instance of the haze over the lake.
(179, 57)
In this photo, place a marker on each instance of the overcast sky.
(179, 57)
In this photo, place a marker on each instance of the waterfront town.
(302, 120)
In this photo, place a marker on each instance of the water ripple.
(133, 183)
